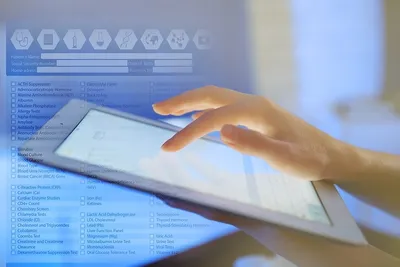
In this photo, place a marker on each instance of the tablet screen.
(212, 168)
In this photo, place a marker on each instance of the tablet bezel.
(42, 150)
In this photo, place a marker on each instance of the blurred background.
(332, 62)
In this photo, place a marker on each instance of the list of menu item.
(54, 213)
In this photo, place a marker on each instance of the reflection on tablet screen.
(134, 147)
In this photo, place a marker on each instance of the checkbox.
(13, 105)
(82, 214)
(82, 236)
(12, 236)
(13, 89)
(13, 176)
(82, 83)
(13, 214)
(13, 252)
(82, 198)
(82, 181)
(13, 122)
(13, 241)
(82, 219)
(13, 95)
(12, 165)
(151, 241)
(12, 100)
(82, 231)
(151, 225)
(12, 110)
(151, 202)
(151, 247)
(13, 203)
(82, 203)
(151, 220)
(13, 148)
(151, 236)
(82, 252)
(13, 193)
(151, 214)
(151, 251)
(13, 116)
(82, 241)
(13, 83)
(82, 226)
(82, 247)
(12, 138)
(13, 231)
(82, 95)
(12, 219)
(12, 208)
(12, 247)
(13, 187)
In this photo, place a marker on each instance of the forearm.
(373, 177)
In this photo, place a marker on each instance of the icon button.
(202, 39)
(74, 39)
(22, 39)
(152, 39)
(48, 39)
(126, 39)
(100, 39)
(178, 39)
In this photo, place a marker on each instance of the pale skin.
(292, 146)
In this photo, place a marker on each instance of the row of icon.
(100, 39)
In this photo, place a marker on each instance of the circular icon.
(126, 39)
(152, 39)
(100, 39)
(22, 39)
(48, 39)
(202, 39)
(74, 39)
(178, 39)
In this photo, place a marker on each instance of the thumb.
(254, 143)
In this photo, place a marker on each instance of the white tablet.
(125, 149)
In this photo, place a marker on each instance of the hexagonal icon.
(74, 39)
(100, 39)
(178, 39)
(152, 39)
(126, 39)
(22, 39)
(48, 39)
(202, 39)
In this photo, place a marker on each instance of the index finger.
(240, 113)
(208, 97)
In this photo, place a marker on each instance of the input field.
(92, 63)
(172, 69)
(116, 56)
(82, 70)
(168, 63)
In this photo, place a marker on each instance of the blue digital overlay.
(54, 218)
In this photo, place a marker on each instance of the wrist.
(348, 163)
(353, 164)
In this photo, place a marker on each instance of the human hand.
(285, 141)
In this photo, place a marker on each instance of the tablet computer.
(125, 149)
